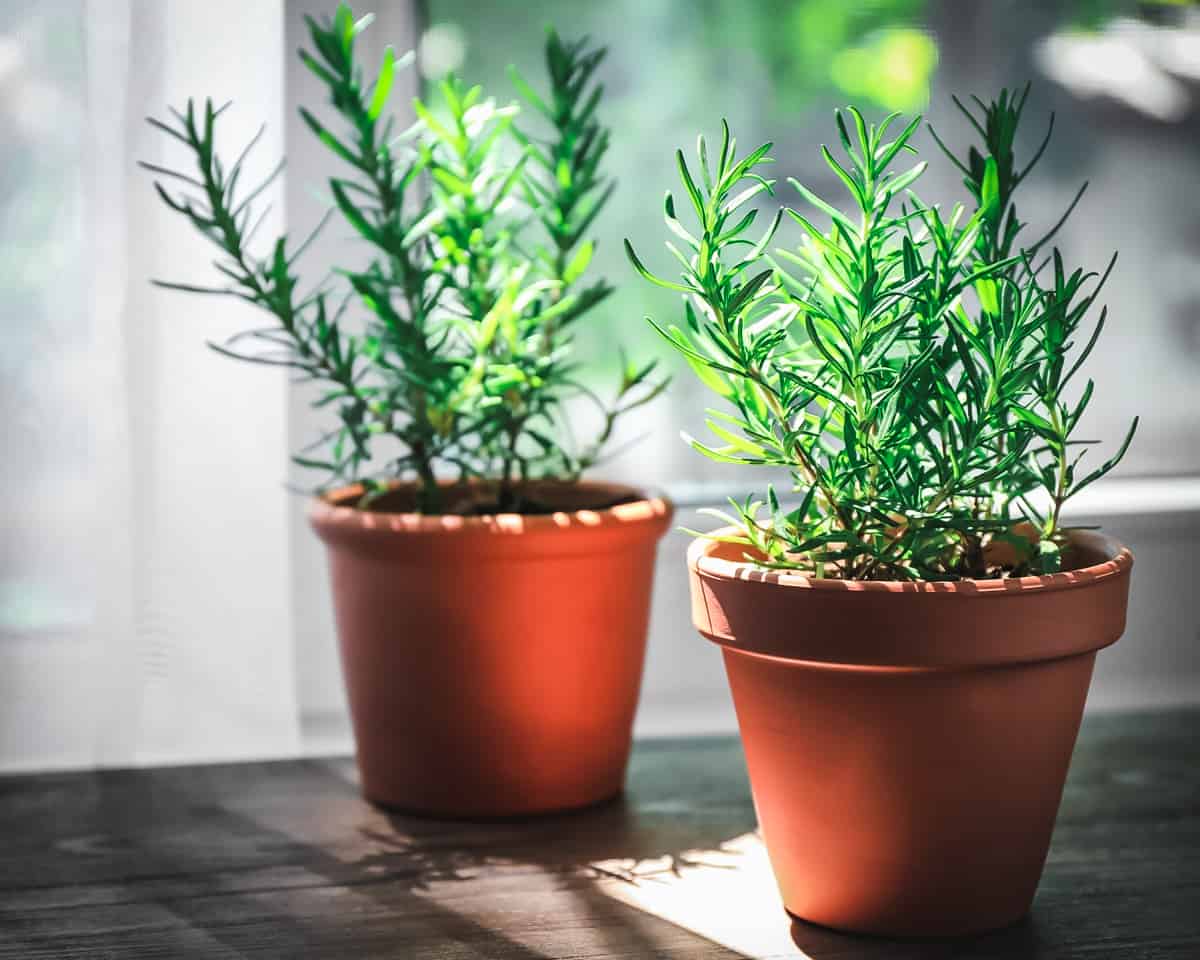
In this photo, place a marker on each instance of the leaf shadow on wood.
(683, 799)
(618, 839)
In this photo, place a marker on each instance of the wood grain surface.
(285, 860)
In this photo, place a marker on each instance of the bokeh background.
(1120, 78)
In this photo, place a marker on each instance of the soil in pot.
(478, 500)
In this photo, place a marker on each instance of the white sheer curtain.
(145, 580)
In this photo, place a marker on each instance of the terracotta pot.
(907, 743)
(493, 663)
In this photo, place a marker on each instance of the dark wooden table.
(284, 860)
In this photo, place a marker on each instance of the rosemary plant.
(457, 361)
(909, 367)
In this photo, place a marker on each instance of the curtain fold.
(160, 509)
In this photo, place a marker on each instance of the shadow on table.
(681, 796)
(683, 800)
(676, 853)
(616, 839)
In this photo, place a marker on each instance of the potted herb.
(909, 641)
(491, 605)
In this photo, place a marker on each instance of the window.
(777, 70)
(161, 596)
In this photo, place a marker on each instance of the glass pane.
(1119, 77)
(43, 355)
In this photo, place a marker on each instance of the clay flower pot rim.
(1118, 560)
(328, 511)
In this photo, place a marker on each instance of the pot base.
(533, 813)
(904, 936)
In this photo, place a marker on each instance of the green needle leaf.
(383, 84)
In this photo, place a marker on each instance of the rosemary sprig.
(461, 354)
(908, 366)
